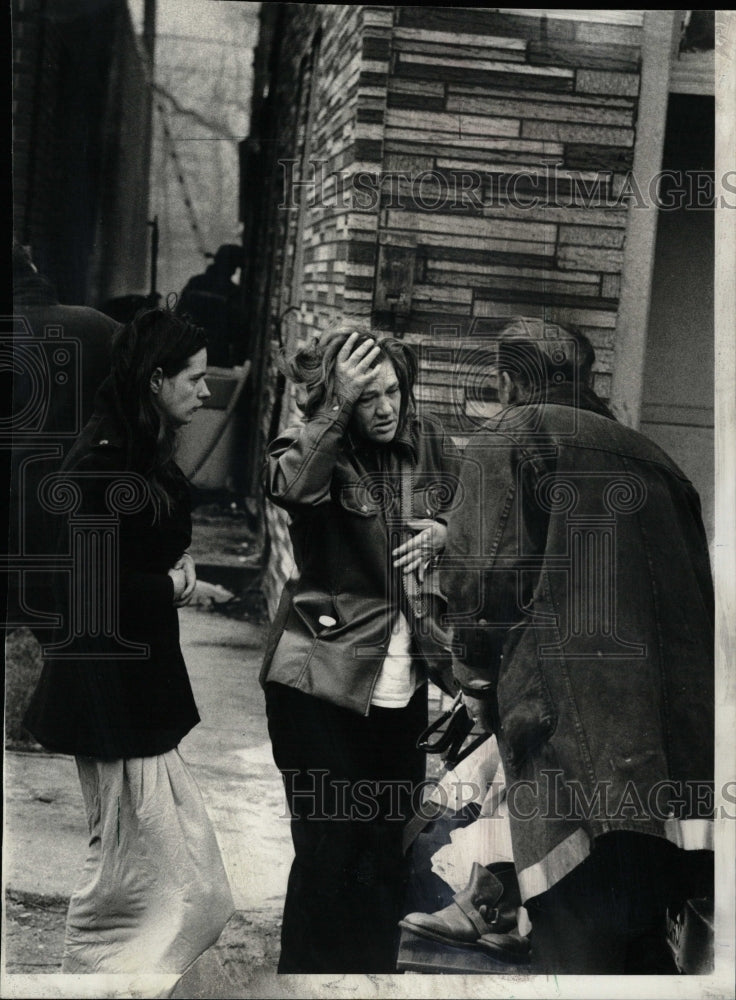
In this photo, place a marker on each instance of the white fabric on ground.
(488, 838)
(472, 780)
(153, 894)
(485, 840)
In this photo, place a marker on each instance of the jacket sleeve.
(145, 593)
(300, 462)
(489, 568)
(450, 464)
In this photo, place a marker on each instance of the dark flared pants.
(350, 782)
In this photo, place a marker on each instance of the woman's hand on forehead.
(355, 368)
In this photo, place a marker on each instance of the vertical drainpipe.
(268, 138)
(149, 29)
(149, 44)
(661, 28)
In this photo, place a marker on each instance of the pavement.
(230, 756)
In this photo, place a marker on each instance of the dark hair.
(22, 261)
(154, 339)
(537, 353)
(314, 366)
(229, 257)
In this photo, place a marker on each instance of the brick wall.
(315, 252)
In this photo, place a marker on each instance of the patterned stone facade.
(442, 169)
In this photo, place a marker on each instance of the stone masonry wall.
(509, 135)
(484, 150)
(327, 77)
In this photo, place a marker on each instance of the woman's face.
(180, 396)
(376, 413)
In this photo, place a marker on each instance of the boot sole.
(498, 955)
(433, 936)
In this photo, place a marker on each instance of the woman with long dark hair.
(114, 691)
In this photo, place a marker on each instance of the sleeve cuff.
(335, 412)
(482, 691)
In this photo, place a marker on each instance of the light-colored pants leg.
(154, 893)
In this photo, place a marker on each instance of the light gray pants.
(154, 893)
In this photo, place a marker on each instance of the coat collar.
(566, 394)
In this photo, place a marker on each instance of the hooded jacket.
(581, 597)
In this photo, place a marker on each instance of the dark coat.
(90, 333)
(343, 498)
(582, 595)
(97, 703)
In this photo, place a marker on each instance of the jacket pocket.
(433, 492)
(526, 712)
(314, 610)
(358, 499)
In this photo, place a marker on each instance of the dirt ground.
(223, 654)
(34, 933)
(34, 937)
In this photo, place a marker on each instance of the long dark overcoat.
(97, 702)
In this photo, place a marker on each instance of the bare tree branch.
(217, 127)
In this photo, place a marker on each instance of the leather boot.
(504, 942)
(483, 915)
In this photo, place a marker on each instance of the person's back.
(89, 330)
(616, 536)
(61, 356)
(581, 591)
